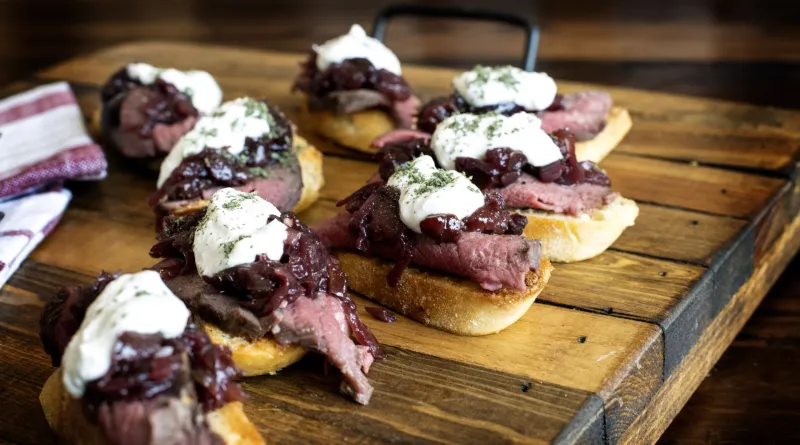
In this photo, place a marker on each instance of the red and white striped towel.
(43, 142)
(24, 223)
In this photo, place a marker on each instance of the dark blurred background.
(737, 50)
(727, 49)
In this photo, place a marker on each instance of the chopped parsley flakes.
(227, 248)
(256, 109)
(486, 74)
(420, 184)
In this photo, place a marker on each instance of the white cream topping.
(200, 86)
(235, 230)
(139, 303)
(483, 86)
(426, 190)
(471, 136)
(226, 128)
(356, 44)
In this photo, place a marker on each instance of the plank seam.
(659, 258)
(686, 209)
(784, 173)
(595, 311)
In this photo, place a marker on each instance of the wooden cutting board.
(609, 353)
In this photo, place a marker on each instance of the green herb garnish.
(227, 248)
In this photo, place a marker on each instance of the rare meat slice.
(163, 420)
(320, 324)
(404, 111)
(205, 301)
(353, 101)
(281, 185)
(399, 136)
(573, 200)
(139, 127)
(584, 114)
(493, 261)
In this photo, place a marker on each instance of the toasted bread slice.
(65, 416)
(445, 302)
(352, 130)
(310, 168)
(618, 123)
(569, 238)
(263, 356)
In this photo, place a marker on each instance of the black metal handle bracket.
(466, 12)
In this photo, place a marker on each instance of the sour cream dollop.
(483, 86)
(235, 230)
(356, 44)
(226, 128)
(200, 86)
(426, 190)
(471, 136)
(139, 303)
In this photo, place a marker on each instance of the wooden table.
(717, 226)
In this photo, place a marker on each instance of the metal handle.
(467, 12)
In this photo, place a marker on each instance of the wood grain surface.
(640, 309)
(744, 50)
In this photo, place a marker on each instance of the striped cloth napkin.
(43, 142)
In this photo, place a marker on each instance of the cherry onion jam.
(375, 221)
(306, 269)
(501, 166)
(165, 105)
(218, 168)
(142, 366)
(350, 75)
(438, 109)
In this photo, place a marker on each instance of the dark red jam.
(63, 315)
(306, 269)
(501, 166)
(165, 104)
(568, 171)
(438, 109)
(143, 367)
(375, 221)
(146, 366)
(215, 167)
(349, 75)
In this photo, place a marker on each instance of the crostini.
(144, 110)
(429, 244)
(134, 370)
(354, 90)
(262, 284)
(246, 144)
(569, 205)
(597, 125)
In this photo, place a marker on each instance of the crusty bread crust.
(442, 301)
(569, 238)
(310, 160)
(311, 169)
(65, 416)
(352, 130)
(263, 356)
(618, 123)
(232, 425)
